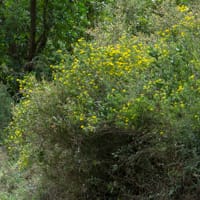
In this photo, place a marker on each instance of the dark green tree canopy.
(29, 27)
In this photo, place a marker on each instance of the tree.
(29, 27)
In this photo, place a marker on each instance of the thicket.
(120, 119)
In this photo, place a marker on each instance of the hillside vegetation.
(118, 116)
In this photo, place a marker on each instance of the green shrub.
(118, 121)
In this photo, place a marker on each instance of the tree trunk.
(42, 40)
(32, 41)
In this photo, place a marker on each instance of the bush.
(118, 121)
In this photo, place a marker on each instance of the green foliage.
(65, 22)
(59, 24)
(140, 18)
(120, 119)
(5, 108)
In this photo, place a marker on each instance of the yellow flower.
(191, 77)
(161, 132)
(188, 18)
(182, 34)
(182, 8)
(82, 126)
(180, 88)
(182, 105)
(81, 118)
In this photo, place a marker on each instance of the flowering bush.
(117, 120)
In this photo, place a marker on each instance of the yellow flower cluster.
(182, 8)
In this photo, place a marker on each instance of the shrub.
(118, 121)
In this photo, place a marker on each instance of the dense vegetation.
(108, 112)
